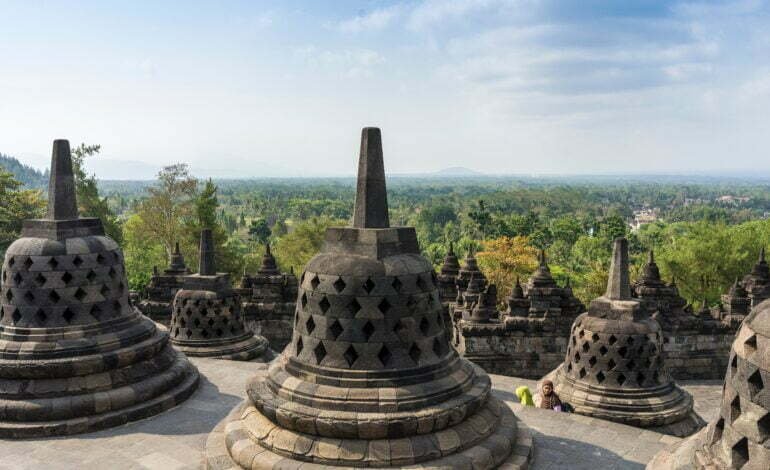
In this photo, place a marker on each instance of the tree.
(481, 218)
(259, 231)
(90, 204)
(505, 258)
(297, 247)
(16, 205)
(140, 253)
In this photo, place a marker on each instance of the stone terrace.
(174, 440)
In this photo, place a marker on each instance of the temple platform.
(175, 439)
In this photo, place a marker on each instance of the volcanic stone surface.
(369, 379)
(160, 291)
(206, 317)
(614, 368)
(75, 356)
(740, 436)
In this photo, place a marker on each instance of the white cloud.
(351, 63)
(373, 21)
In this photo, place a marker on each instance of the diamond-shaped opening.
(569, 367)
(592, 361)
(646, 363)
(96, 312)
(319, 352)
(51, 262)
(9, 295)
(112, 273)
(640, 378)
(603, 350)
(397, 284)
(438, 347)
(655, 376)
(755, 384)
(68, 315)
(225, 320)
(574, 341)
(740, 453)
(303, 300)
(763, 425)
(211, 322)
(205, 333)
(105, 291)
(581, 334)
(12, 261)
(117, 306)
(80, 294)
(324, 304)
(421, 284)
(611, 364)
(16, 316)
(368, 285)
(197, 323)
(40, 279)
(314, 282)
(630, 340)
(91, 275)
(630, 365)
(183, 322)
(384, 306)
(29, 297)
(384, 355)
(54, 297)
(577, 357)
(734, 365)
(188, 333)
(595, 337)
(350, 355)
(204, 312)
(77, 261)
(424, 326)
(735, 408)
(621, 379)
(17, 278)
(612, 340)
(368, 330)
(299, 345)
(339, 285)
(586, 347)
(750, 345)
(336, 329)
(600, 377)
(354, 306)
(310, 325)
(582, 372)
(219, 332)
(100, 258)
(398, 327)
(622, 351)
(41, 316)
(415, 353)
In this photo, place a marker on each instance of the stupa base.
(667, 410)
(689, 454)
(248, 348)
(232, 445)
(109, 408)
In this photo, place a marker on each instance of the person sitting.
(525, 396)
(548, 398)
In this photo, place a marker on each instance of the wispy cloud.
(351, 63)
(375, 20)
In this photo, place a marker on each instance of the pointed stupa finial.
(176, 248)
(567, 283)
(451, 251)
(62, 202)
(471, 252)
(651, 257)
(618, 284)
(206, 266)
(371, 210)
(541, 258)
(762, 254)
(267, 249)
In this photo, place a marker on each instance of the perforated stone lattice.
(63, 290)
(201, 318)
(369, 323)
(615, 360)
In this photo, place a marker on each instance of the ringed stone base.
(233, 445)
(245, 348)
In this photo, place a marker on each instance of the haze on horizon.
(282, 88)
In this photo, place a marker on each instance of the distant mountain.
(29, 176)
(457, 171)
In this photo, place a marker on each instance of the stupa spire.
(618, 285)
(371, 210)
(762, 255)
(62, 203)
(206, 266)
(541, 259)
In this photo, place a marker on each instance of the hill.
(29, 176)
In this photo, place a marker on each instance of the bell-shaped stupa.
(75, 355)
(614, 368)
(739, 438)
(206, 318)
(369, 379)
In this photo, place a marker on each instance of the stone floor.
(174, 440)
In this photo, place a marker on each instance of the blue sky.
(277, 88)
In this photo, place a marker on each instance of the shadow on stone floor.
(552, 452)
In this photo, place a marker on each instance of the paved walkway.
(174, 440)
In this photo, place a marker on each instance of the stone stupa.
(614, 367)
(739, 438)
(369, 379)
(160, 291)
(75, 355)
(206, 318)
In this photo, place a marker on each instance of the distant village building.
(643, 217)
(269, 298)
(733, 200)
